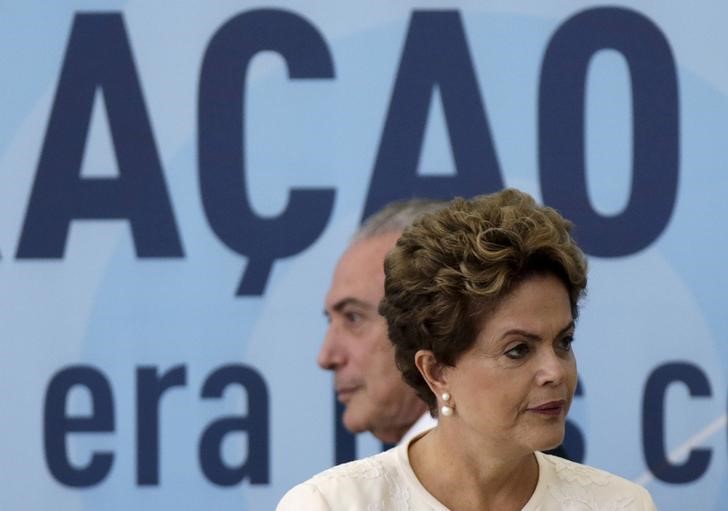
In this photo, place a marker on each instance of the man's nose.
(331, 355)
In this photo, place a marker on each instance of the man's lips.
(344, 393)
(552, 408)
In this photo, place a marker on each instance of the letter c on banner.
(653, 423)
(221, 142)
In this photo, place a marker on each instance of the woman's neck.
(473, 477)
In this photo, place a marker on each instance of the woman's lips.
(552, 408)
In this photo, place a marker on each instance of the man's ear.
(432, 371)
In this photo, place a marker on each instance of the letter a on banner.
(435, 55)
(99, 60)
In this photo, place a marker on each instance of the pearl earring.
(446, 409)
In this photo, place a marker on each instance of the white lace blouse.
(386, 482)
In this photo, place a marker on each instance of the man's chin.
(353, 422)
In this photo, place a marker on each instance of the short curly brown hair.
(451, 268)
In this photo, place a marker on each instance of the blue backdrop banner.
(178, 180)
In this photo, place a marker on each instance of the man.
(356, 346)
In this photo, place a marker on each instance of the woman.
(481, 300)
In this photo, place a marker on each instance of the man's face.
(357, 349)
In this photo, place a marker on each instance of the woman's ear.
(432, 371)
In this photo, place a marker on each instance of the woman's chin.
(550, 441)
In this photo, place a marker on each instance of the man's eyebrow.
(345, 302)
(531, 335)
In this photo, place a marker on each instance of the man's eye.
(518, 352)
(353, 317)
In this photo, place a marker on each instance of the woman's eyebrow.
(533, 336)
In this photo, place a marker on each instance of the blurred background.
(178, 180)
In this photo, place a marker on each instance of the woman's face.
(514, 386)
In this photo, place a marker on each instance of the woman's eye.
(518, 352)
(565, 343)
